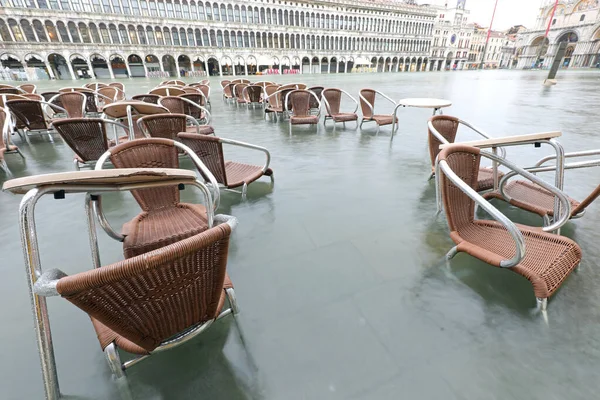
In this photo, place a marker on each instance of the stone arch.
(59, 66)
(569, 36)
(35, 63)
(136, 65)
(212, 63)
(239, 65)
(199, 64)
(286, 63)
(226, 65)
(118, 66)
(99, 66)
(80, 66)
(152, 63)
(333, 65)
(251, 65)
(185, 64)
(169, 66)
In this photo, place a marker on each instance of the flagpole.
(487, 40)
(546, 34)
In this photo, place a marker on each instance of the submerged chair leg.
(244, 190)
(232, 301)
(114, 361)
(452, 253)
(4, 167)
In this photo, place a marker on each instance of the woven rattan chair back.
(270, 89)
(3, 128)
(317, 90)
(369, 96)
(174, 104)
(447, 126)
(110, 92)
(154, 296)
(118, 85)
(254, 93)
(28, 88)
(205, 89)
(90, 102)
(12, 90)
(190, 109)
(334, 100)
(29, 114)
(85, 136)
(228, 90)
(163, 125)
(74, 103)
(210, 150)
(147, 98)
(49, 95)
(238, 90)
(225, 83)
(300, 103)
(149, 153)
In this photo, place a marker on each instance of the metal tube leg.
(4, 166)
(453, 251)
(114, 361)
(91, 223)
(232, 301)
(38, 303)
(244, 190)
(542, 304)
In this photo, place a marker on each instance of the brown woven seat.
(144, 301)
(85, 136)
(548, 258)
(536, 199)
(333, 101)
(367, 105)
(299, 104)
(230, 174)
(228, 93)
(238, 92)
(163, 220)
(447, 126)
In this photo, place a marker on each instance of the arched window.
(85, 34)
(236, 13)
(183, 37)
(142, 34)
(219, 38)
(240, 41)
(209, 12)
(167, 36)
(215, 9)
(263, 19)
(190, 35)
(177, 7)
(170, 11)
(246, 40)
(201, 14)
(252, 40)
(230, 13)
(175, 37)
(162, 11)
(62, 30)
(113, 33)
(205, 38)
(186, 9)
(227, 43)
(244, 15)
(198, 34)
(150, 35)
(250, 15)
(256, 20)
(103, 33)
(4, 32)
(16, 30)
(223, 13)
(582, 18)
(28, 31)
(159, 36)
(39, 29)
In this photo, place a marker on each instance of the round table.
(423, 102)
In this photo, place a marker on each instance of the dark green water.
(339, 269)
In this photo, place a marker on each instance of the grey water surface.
(339, 268)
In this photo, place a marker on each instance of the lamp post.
(487, 41)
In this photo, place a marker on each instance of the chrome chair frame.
(48, 131)
(5, 132)
(372, 107)
(83, 104)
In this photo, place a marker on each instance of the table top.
(167, 91)
(423, 102)
(119, 108)
(76, 89)
(507, 140)
(105, 177)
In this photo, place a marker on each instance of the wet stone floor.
(339, 269)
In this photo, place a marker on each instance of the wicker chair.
(253, 95)
(238, 92)
(119, 86)
(169, 125)
(197, 98)
(147, 98)
(224, 83)
(535, 199)
(110, 93)
(28, 88)
(367, 105)
(332, 98)
(318, 91)
(73, 102)
(300, 114)
(240, 80)
(6, 97)
(228, 93)
(11, 90)
(49, 96)
(174, 82)
(164, 219)
(30, 117)
(182, 105)
(153, 301)
(167, 91)
(87, 138)
(229, 174)
(546, 260)
(205, 89)
(95, 86)
(442, 129)
(6, 147)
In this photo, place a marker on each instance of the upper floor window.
(582, 18)
(554, 21)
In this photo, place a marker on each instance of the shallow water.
(339, 269)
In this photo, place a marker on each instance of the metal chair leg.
(232, 301)
(114, 361)
(453, 251)
(244, 190)
(4, 167)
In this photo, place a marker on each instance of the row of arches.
(149, 35)
(394, 22)
(78, 66)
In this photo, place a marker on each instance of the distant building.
(452, 35)
(575, 22)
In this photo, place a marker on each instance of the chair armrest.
(46, 284)
(53, 106)
(352, 98)
(512, 229)
(203, 109)
(226, 219)
(122, 126)
(367, 103)
(250, 146)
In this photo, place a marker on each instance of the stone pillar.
(128, 70)
(145, 68)
(220, 68)
(70, 66)
(110, 70)
(89, 63)
(233, 68)
(49, 69)
(246, 69)
(178, 74)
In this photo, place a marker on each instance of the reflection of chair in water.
(5, 145)
(333, 101)
(87, 137)
(442, 129)
(545, 259)
(536, 199)
(229, 174)
(367, 105)
(153, 301)
(299, 101)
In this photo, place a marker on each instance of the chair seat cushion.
(308, 119)
(238, 173)
(485, 179)
(202, 129)
(383, 119)
(151, 230)
(344, 117)
(106, 335)
(529, 196)
(548, 260)
(274, 109)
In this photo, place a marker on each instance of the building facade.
(452, 34)
(575, 22)
(65, 39)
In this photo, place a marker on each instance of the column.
(128, 70)
(145, 67)
(49, 69)
(110, 70)
(89, 63)
(71, 69)
(246, 68)
(220, 68)
(177, 67)
(397, 66)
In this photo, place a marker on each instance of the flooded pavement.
(339, 269)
